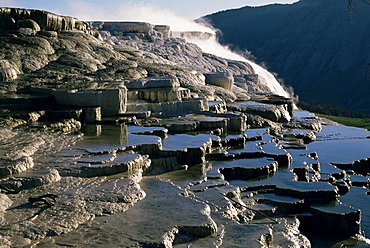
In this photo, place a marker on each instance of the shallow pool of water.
(333, 145)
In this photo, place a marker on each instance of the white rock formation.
(145, 83)
(220, 79)
(111, 101)
(7, 71)
(127, 27)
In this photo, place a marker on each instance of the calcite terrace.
(133, 138)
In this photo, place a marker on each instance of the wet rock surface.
(181, 160)
(127, 186)
(205, 189)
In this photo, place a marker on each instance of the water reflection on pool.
(334, 144)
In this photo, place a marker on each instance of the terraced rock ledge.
(121, 135)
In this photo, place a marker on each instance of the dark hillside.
(313, 45)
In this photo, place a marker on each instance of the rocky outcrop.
(207, 121)
(242, 173)
(121, 163)
(18, 153)
(72, 209)
(170, 108)
(273, 112)
(5, 203)
(333, 221)
(111, 101)
(7, 71)
(361, 166)
(14, 166)
(64, 127)
(18, 184)
(165, 30)
(159, 95)
(126, 27)
(12, 18)
(146, 83)
(220, 79)
(192, 152)
(312, 192)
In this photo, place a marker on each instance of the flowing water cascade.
(269, 80)
(209, 44)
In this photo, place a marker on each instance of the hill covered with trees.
(321, 48)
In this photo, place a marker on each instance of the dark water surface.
(334, 144)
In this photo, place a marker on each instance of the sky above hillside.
(138, 10)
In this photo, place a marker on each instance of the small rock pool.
(145, 185)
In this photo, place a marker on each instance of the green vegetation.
(349, 121)
(331, 110)
(346, 117)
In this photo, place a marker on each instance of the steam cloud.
(214, 47)
(134, 11)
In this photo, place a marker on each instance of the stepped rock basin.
(144, 186)
(119, 137)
